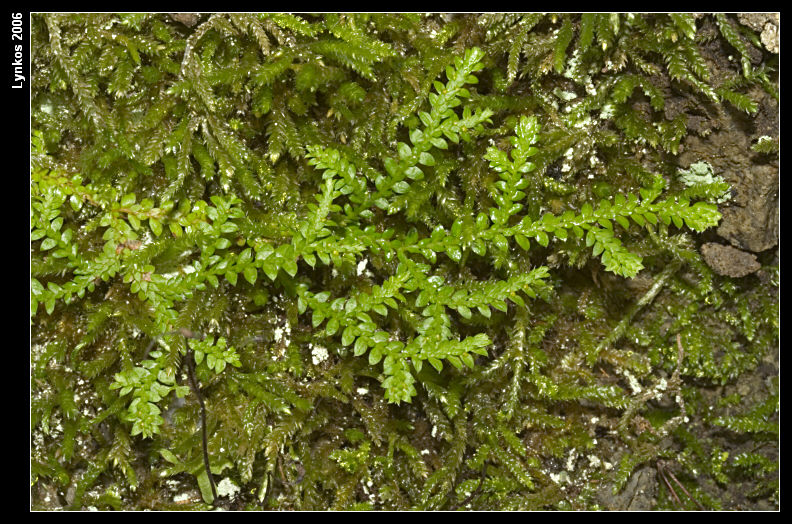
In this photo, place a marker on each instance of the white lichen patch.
(227, 488)
(608, 111)
(281, 336)
(361, 266)
(564, 95)
(702, 173)
(570, 462)
(319, 354)
(635, 386)
(181, 497)
(561, 477)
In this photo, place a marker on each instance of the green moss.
(418, 261)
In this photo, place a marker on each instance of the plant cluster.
(433, 218)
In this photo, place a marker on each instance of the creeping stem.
(197, 392)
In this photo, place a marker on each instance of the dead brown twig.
(665, 473)
(662, 466)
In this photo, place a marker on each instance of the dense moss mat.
(418, 262)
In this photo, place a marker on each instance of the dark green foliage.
(395, 247)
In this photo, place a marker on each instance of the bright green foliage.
(149, 384)
(397, 247)
(217, 354)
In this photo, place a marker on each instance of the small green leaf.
(381, 309)
(348, 335)
(426, 159)
(623, 222)
(401, 187)
(522, 241)
(404, 150)
(332, 327)
(128, 200)
(317, 317)
(205, 486)
(501, 243)
(231, 276)
(375, 355)
(290, 267)
(414, 172)
(439, 143)
(47, 244)
(169, 456)
(467, 358)
(134, 222)
(454, 253)
(156, 226)
(270, 268)
(176, 229)
(464, 311)
(250, 274)
(360, 346)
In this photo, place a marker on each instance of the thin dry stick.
(675, 379)
(691, 497)
(680, 356)
(661, 469)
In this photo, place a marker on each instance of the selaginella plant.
(365, 273)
